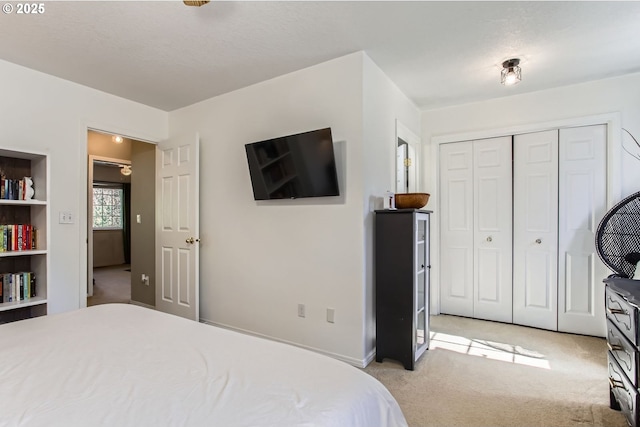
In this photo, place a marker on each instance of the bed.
(124, 365)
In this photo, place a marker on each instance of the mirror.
(407, 159)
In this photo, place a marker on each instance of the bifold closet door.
(535, 229)
(476, 229)
(582, 203)
(559, 196)
(456, 228)
(492, 240)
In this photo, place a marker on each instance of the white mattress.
(123, 365)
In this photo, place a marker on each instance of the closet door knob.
(489, 239)
(538, 241)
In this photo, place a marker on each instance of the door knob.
(538, 241)
(191, 240)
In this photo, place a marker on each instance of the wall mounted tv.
(294, 166)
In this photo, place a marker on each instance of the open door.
(407, 159)
(177, 227)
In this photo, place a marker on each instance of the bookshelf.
(23, 240)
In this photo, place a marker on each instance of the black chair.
(618, 237)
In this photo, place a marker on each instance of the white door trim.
(83, 152)
(613, 121)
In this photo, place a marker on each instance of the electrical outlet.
(301, 310)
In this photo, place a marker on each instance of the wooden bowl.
(411, 200)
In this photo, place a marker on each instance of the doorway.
(120, 220)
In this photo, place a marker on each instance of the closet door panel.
(492, 176)
(535, 228)
(456, 229)
(582, 201)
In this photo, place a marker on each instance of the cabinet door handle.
(616, 383)
(489, 239)
(538, 241)
(615, 347)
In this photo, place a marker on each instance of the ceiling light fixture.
(126, 170)
(117, 139)
(511, 72)
(195, 3)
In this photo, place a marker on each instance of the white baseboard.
(358, 363)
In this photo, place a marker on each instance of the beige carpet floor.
(112, 285)
(479, 373)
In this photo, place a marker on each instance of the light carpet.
(111, 285)
(480, 373)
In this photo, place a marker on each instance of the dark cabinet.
(622, 300)
(402, 284)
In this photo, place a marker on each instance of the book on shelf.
(18, 286)
(18, 237)
(16, 189)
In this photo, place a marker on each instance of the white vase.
(29, 191)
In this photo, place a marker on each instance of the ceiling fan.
(195, 3)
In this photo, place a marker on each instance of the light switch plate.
(66, 218)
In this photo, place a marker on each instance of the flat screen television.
(293, 166)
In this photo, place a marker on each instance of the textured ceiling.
(168, 55)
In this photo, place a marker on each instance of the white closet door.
(456, 228)
(582, 203)
(535, 228)
(493, 215)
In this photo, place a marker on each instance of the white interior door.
(492, 230)
(456, 228)
(582, 202)
(177, 227)
(535, 229)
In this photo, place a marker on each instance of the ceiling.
(168, 55)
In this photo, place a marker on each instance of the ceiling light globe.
(510, 78)
(511, 73)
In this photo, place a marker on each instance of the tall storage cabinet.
(402, 284)
(24, 219)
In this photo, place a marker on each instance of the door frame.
(90, 166)
(83, 154)
(413, 145)
(614, 176)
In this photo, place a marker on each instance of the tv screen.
(294, 166)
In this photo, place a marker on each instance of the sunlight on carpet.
(489, 350)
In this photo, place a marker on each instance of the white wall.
(616, 97)
(383, 104)
(258, 260)
(43, 113)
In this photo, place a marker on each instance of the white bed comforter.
(123, 365)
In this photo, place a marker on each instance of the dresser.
(402, 284)
(622, 302)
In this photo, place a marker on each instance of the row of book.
(18, 237)
(17, 286)
(16, 189)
